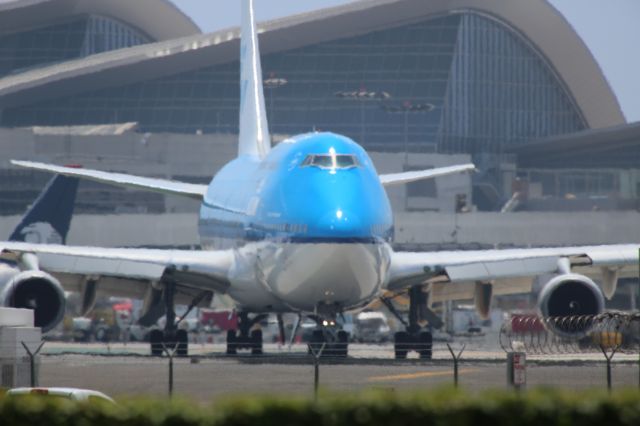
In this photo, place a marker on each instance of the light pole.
(362, 95)
(271, 84)
(407, 108)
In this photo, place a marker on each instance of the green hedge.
(440, 408)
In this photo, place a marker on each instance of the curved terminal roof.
(611, 147)
(536, 20)
(158, 19)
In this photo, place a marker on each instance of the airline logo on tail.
(41, 233)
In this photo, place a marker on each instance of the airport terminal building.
(136, 87)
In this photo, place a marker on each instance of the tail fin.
(254, 129)
(49, 218)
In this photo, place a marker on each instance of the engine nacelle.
(570, 295)
(39, 291)
(7, 272)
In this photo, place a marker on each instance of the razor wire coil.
(619, 331)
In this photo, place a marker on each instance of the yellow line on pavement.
(418, 375)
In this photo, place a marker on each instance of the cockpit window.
(331, 161)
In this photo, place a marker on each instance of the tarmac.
(125, 371)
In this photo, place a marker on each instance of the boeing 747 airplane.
(305, 227)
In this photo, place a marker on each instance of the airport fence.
(610, 331)
(128, 368)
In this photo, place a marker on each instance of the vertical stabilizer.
(254, 129)
(49, 217)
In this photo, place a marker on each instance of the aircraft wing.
(455, 269)
(406, 177)
(127, 272)
(164, 186)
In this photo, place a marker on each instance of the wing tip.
(471, 167)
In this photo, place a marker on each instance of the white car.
(371, 327)
(72, 394)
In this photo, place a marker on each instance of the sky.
(610, 29)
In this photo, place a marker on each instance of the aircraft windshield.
(331, 161)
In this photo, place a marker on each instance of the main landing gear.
(329, 338)
(244, 337)
(171, 337)
(415, 337)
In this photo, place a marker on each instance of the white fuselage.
(285, 277)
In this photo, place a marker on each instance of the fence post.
(170, 354)
(32, 361)
(516, 370)
(456, 359)
(609, 357)
(316, 368)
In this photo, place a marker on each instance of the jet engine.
(570, 295)
(39, 291)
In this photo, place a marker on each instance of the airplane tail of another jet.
(49, 217)
(254, 130)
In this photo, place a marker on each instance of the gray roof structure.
(158, 19)
(536, 20)
(611, 147)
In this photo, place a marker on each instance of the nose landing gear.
(330, 338)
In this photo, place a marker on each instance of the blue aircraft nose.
(347, 206)
(339, 222)
(338, 206)
(330, 186)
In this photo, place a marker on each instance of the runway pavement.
(124, 371)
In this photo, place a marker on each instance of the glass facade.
(501, 92)
(487, 85)
(75, 39)
(575, 182)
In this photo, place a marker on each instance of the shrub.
(443, 407)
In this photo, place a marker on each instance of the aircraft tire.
(401, 344)
(232, 348)
(155, 341)
(316, 341)
(182, 340)
(342, 346)
(256, 342)
(425, 345)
